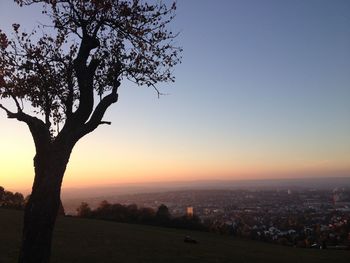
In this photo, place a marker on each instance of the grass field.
(83, 240)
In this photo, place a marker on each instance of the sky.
(263, 91)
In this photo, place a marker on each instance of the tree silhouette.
(163, 215)
(91, 46)
(11, 200)
(2, 192)
(84, 210)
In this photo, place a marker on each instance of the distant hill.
(91, 241)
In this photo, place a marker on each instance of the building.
(189, 211)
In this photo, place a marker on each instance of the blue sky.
(263, 90)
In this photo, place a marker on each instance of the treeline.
(11, 200)
(139, 215)
(16, 200)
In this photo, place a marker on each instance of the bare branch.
(105, 122)
(39, 130)
(8, 112)
(97, 115)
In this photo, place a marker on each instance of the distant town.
(299, 217)
(290, 214)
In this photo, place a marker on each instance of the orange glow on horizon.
(123, 162)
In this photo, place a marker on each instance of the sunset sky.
(263, 92)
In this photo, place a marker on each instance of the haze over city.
(262, 92)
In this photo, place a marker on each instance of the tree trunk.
(42, 208)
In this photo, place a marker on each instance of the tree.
(61, 211)
(91, 46)
(147, 215)
(11, 200)
(84, 210)
(2, 192)
(163, 215)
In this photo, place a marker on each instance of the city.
(296, 217)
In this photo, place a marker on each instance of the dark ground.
(90, 241)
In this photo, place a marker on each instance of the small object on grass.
(189, 239)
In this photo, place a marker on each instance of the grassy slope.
(82, 240)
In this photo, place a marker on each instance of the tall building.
(189, 211)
